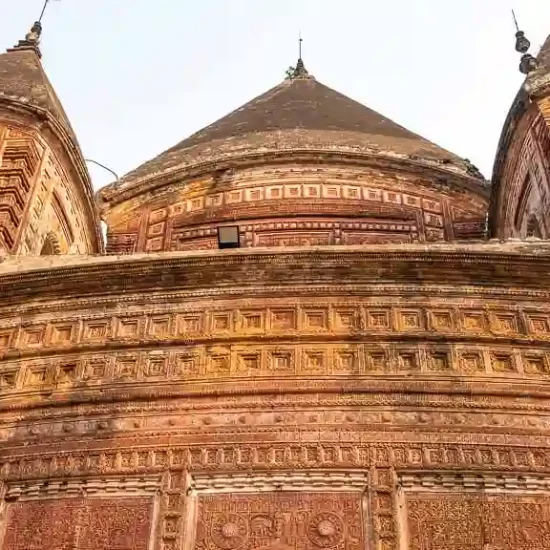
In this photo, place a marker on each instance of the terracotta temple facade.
(307, 329)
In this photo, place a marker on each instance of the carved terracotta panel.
(299, 204)
(478, 522)
(280, 520)
(79, 524)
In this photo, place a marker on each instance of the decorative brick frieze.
(201, 363)
(468, 510)
(332, 205)
(18, 166)
(347, 481)
(39, 204)
(86, 487)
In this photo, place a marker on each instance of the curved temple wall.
(394, 397)
(300, 202)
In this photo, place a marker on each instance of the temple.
(307, 328)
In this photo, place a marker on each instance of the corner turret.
(46, 198)
(520, 202)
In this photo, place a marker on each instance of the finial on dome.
(522, 44)
(300, 69)
(31, 41)
(32, 38)
(528, 63)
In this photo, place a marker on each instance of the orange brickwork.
(368, 370)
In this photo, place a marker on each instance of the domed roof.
(308, 104)
(300, 113)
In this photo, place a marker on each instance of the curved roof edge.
(509, 266)
(535, 82)
(464, 178)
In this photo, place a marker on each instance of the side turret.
(46, 198)
(520, 203)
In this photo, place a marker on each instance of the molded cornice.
(522, 265)
(113, 194)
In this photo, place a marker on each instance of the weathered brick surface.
(301, 204)
(365, 372)
(76, 523)
(46, 199)
(228, 399)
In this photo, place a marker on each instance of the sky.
(138, 76)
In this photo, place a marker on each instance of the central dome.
(305, 103)
(298, 113)
(299, 165)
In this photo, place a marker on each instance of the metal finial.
(515, 20)
(43, 10)
(46, 3)
(300, 70)
(528, 64)
(522, 43)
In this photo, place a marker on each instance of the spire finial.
(522, 44)
(44, 7)
(32, 38)
(300, 70)
(31, 41)
(515, 20)
(528, 62)
(46, 2)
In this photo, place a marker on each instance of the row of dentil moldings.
(195, 363)
(311, 181)
(241, 457)
(250, 319)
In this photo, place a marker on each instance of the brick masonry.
(367, 372)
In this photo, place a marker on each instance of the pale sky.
(137, 76)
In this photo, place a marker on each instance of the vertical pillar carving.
(19, 164)
(171, 518)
